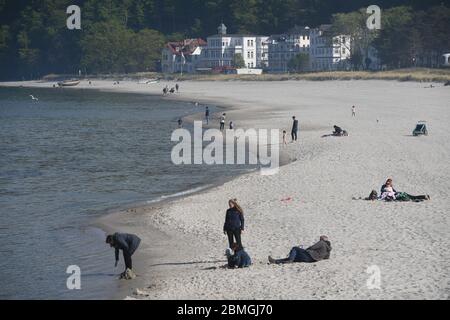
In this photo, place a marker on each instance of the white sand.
(409, 242)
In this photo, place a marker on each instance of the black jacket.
(240, 259)
(295, 125)
(234, 220)
(128, 243)
(320, 250)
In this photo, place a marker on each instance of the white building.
(183, 56)
(222, 48)
(284, 47)
(328, 53)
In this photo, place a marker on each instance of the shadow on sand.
(186, 263)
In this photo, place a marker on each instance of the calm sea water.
(65, 160)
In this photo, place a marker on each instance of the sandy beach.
(183, 245)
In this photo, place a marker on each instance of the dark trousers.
(421, 197)
(234, 234)
(294, 135)
(127, 259)
(297, 255)
(222, 126)
(127, 255)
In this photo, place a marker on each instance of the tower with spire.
(222, 29)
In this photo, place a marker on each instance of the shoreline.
(113, 218)
(416, 264)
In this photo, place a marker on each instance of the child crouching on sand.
(239, 259)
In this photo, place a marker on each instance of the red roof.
(188, 46)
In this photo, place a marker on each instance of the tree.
(238, 61)
(146, 50)
(34, 39)
(106, 48)
(299, 63)
(398, 38)
(353, 25)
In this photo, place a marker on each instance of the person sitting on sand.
(234, 223)
(317, 252)
(128, 243)
(388, 193)
(239, 259)
(338, 132)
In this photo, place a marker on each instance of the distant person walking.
(128, 243)
(294, 129)
(207, 115)
(180, 123)
(353, 111)
(231, 125)
(234, 223)
(177, 87)
(222, 121)
(284, 137)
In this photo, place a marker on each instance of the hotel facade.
(326, 52)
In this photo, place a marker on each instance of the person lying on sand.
(388, 193)
(317, 252)
(128, 243)
(239, 259)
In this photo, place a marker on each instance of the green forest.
(124, 36)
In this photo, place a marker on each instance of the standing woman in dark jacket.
(234, 223)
